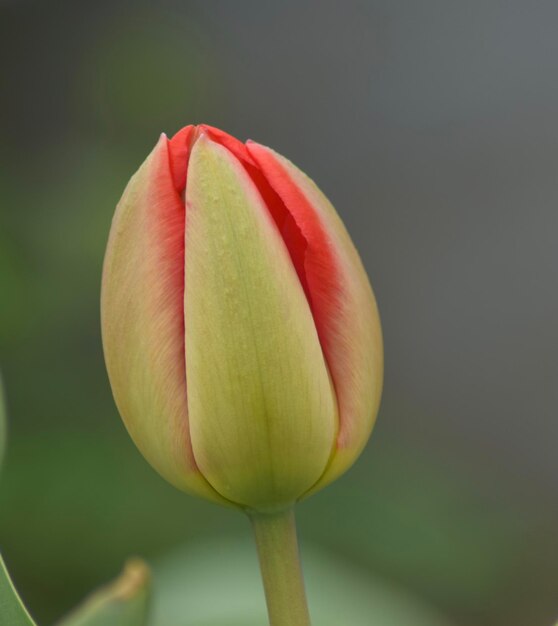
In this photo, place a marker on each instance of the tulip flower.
(240, 331)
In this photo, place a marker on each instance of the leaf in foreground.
(124, 602)
(12, 610)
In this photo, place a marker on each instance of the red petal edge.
(179, 148)
(319, 264)
(289, 230)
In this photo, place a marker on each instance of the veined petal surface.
(261, 406)
(342, 302)
(142, 312)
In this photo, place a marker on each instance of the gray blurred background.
(433, 128)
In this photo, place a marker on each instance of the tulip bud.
(241, 335)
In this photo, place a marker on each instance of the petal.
(232, 144)
(342, 303)
(290, 232)
(142, 315)
(262, 410)
(179, 152)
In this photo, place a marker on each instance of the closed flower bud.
(240, 331)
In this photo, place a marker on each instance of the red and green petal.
(341, 300)
(142, 310)
(262, 409)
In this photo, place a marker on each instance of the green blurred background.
(433, 128)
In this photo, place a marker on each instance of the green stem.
(280, 566)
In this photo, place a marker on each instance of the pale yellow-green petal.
(352, 329)
(363, 332)
(143, 321)
(262, 412)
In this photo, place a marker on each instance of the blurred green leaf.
(218, 584)
(2, 423)
(124, 602)
(13, 287)
(12, 611)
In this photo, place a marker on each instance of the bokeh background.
(433, 127)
